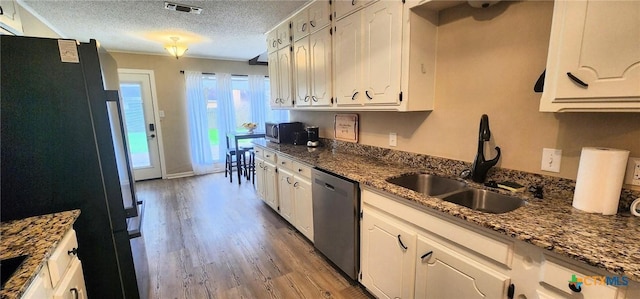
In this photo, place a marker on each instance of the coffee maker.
(313, 139)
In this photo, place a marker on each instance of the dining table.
(236, 137)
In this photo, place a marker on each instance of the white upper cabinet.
(311, 19)
(279, 37)
(368, 55)
(594, 57)
(9, 18)
(345, 7)
(312, 70)
(382, 40)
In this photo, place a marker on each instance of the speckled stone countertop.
(36, 237)
(611, 243)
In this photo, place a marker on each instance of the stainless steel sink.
(427, 184)
(485, 201)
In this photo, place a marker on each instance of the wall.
(171, 95)
(488, 61)
(32, 26)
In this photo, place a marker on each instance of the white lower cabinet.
(444, 273)
(303, 206)
(61, 277)
(270, 185)
(413, 253)
(387, 256)
(285, 194)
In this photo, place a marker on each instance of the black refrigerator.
(57, 153)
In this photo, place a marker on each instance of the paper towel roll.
(600, 178)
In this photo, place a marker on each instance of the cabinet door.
(285, 194)
(72, 285)
(300, 25)
(271, 185)
(260, 178)
(301, 53)
(272, 41)
(10, 19)
(303, 205)
(284, 35)
(40, 287)
(320, 63)
(444, 273)
(345, 7)
(594, 57)
(381, 55)
(387, 256)
(274, 78)
(284, 78)
(346, 66)
(319, 13)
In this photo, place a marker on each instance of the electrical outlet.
(633, 172)
(393, 139)
(551, 158)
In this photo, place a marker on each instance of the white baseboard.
(179, 175)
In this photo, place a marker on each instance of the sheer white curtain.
(200, 149)
(259, 105)
(226, 114)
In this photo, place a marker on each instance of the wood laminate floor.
(203, 237)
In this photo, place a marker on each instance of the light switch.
(551, 158)
(161, 113)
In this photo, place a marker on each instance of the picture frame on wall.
(346, 127)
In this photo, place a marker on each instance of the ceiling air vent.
(182, 8)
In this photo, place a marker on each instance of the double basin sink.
(458, 192)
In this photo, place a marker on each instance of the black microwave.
(282, 132)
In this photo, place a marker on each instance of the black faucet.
(480, 165)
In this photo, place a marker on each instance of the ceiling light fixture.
(176, 50)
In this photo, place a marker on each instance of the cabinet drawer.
(302, 169)
(62, 257)
(72, 285)
(269, 155)
(285, 162)
(593, 285)
(259, 151)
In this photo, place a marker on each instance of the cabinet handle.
(299, 169)
(275, 43)
(304, 27)
(74, 292)
(279, 41)
(353, 97)
(314, 99)
(312, 24)
(288, 181)
(574, 287)
(577, 80)
(73, 251)
(306, 98)
(368, 96)
(295, 185)
(402, 244)
(428, 254)
(353, 2)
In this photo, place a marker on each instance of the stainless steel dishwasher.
(336, 229)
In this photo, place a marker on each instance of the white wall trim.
(180, 175)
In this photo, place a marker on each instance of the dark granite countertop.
(37, 237)
(611, 243)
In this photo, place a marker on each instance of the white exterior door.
(139, 104)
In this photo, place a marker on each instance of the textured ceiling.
(226, 29)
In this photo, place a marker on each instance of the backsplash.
(552, 186)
